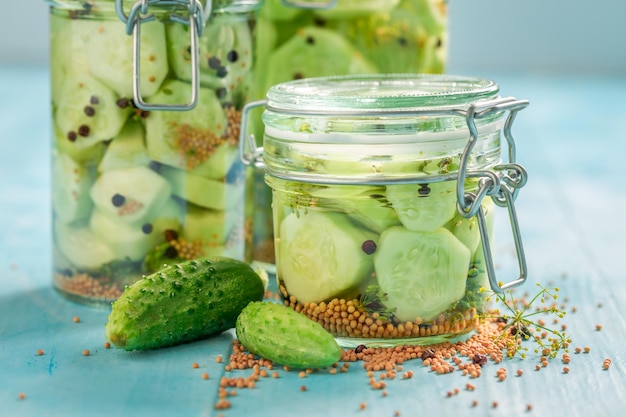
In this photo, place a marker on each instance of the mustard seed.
(302, 388)
(565, 370)
(107, 345)
(195, 365)
(606, 364)
(76, 319)
(205, 375)
(39, 352)
(86, 352)
(22, 396)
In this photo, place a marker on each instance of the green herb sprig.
(525, 320)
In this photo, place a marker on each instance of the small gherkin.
(183, 302)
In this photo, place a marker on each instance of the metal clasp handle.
(310, 5)
(197, 19)
(502, 185)
(249, 153)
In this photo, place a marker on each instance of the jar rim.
(378, 93)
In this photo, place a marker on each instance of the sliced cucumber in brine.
(127, 150)
(81, 246)
(110, 56)
(225, 53)
(87, 110)
(323, 255)
(422, 274)
(71, 183)
(130, 194)
(423, 207)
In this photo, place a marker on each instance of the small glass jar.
(384, 192)
(145, 166)
(314, 38)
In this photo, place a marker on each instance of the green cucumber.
(285, 337)
(110, 56)
(212, 227)
(422, 274)
(321, 255)
(423, 207)
(182, 302)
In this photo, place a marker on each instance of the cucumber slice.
(81, 246)
(395, 41)
(212, 227)
(225, 53)
(130, 194)
(83, 152)
(276, 10)
(127, 150)
(314, 52)
(202, 191)
(320, 255)
(346, 9)
(423, 207)
(466, 230)
(190, 139)
(71, 183)
(67, 51)
(132, 241)
(422, 273)
(87, 110)
(110, 56)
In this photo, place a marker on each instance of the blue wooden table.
(572, 140)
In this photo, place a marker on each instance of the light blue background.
(571, 36)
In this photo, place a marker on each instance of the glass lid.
(358, 94)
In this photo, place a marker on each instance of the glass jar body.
(134, 189)
(352, 37)
(369, 240)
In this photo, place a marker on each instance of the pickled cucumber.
(71, 183)
(127, 150)
(423, 207)
(422, 273)
(321, 255)
(130, 194)
(110, 56)
(87, 110)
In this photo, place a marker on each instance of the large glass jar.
(145, 165)
(313, 38)
(384, 192)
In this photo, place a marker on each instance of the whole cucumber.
(284, 336)
(182, 302)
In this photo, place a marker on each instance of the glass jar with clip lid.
(384, 191)
(146, 110)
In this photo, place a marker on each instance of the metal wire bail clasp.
(138, 14)
(502, 185)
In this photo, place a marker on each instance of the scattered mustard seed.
(195, 365)
(86, 352)
(76, 319)
(40, 352)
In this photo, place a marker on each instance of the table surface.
(572, 140)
